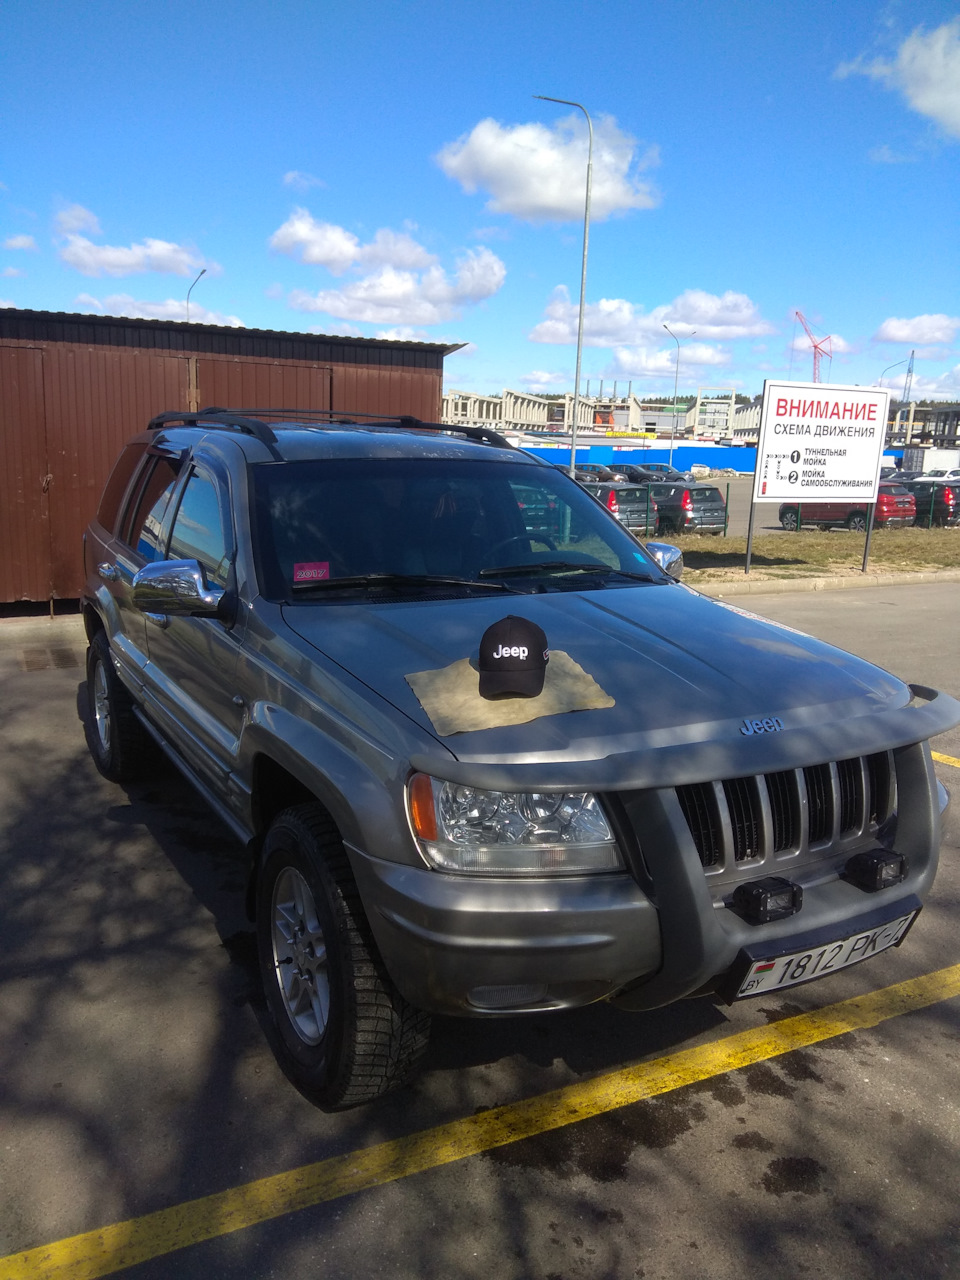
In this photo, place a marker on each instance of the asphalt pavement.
(135, 1078)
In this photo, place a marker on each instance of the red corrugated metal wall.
(24, 501)
(68, 405)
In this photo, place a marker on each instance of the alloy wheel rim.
(101, 706)
(300, 956)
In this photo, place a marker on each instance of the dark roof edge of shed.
(184, 327)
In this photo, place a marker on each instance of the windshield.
(384, 523)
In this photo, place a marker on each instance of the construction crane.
(821, 347)
(908, 381)
(905, 398)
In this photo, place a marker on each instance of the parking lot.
(147, 1129)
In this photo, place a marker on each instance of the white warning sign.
(820, 441)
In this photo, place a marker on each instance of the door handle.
(161, 620)
(108, 571)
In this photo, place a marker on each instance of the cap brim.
(517, 684)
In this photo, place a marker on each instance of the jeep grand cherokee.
(696, 801)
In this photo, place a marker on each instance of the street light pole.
(888, 368)
(676, 378)
(583, 272)
(203, 272)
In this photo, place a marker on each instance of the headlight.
(507, 833)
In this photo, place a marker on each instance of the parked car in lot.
(633, 505)
(663, 471)
(690, 508)
(896, 507)
(481, 753)
(952, 474)
(938, 501)
(594, 471)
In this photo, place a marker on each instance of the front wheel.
(121, 748)
(344, 1034)
(788, 519)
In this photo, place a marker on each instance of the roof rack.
(225, 419)
(251, 422)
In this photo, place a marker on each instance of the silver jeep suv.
(696, 800)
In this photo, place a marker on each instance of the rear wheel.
(857, 523)
(121, 748)
(788, 518)
(344, 1034)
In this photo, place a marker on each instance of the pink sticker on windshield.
(311, 571)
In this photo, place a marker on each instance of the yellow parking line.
(946, 759)
(124, 1244)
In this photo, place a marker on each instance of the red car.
(896, 505)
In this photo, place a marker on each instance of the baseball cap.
(513, 659)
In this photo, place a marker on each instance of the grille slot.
(743, 802)
(699, 806)
(819, 802)
(850, 778)
(785, 809)
(879, 779)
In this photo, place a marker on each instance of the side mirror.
(177, 588)
(667, 556)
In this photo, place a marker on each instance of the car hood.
(688, 675)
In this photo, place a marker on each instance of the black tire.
(857, 523)
(342, 1032)
(122, 749)
(788, 519)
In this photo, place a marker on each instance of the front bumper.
(658, 932)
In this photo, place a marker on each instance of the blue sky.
(383, 169)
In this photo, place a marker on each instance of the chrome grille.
(773, 818)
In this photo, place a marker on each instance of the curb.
(781, 586)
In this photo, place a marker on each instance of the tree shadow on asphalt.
(134, 1073)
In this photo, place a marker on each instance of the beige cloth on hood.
(451, 696)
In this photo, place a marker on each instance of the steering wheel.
(528, 538)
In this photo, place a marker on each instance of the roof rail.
(225, 419)
(250, 421)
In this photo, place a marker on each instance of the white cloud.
(392, 296)
(926, 71)
(76, 218)
(404, 333)
(12, 272)
(886, 155)
(539, 173)
(946, 387)
(639, 362)
(5, 302)
(327, 245)
(114, 260)
(301, 181)
(615, 322)
(122, 304)
(20, 242)
(540, 380)
(919, 329)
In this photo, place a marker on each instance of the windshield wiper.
(397, 581)
(561, 566)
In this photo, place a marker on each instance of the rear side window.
(116, 485)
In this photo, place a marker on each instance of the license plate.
(777, 972)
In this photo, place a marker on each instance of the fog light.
(875, 869)
(772, 898)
